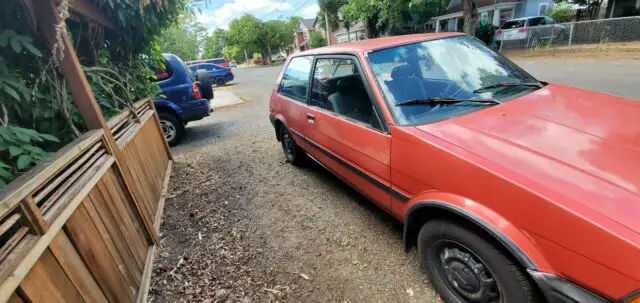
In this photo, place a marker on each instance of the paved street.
(240, 224)
(619, 77)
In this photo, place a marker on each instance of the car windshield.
(459, 67)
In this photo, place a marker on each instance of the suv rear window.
(162, 74)
(217, 61)
(295, 79)
(514, 24)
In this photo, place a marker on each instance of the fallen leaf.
(410, 292)
(304, 276)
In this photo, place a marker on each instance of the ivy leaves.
(18, 148)
(18, 42)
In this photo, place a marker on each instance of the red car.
(217, 61)
(261, 61)
(512, 189)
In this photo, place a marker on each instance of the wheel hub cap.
(468, 276)
(288, 144)
(168, 129)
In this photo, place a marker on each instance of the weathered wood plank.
(116, 227)
(34, 218)
(146, 276)
(17, 190)
(158, 219)
(121, 207)
(90, 10)
(76, 270)
(15, 298)
(159, 129)
(12, 273)
(126, 264)
(47, 282)
(95, 253)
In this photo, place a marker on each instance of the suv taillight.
(196, 90)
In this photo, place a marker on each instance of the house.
(496, 12)
(356, 32)
(303, 34)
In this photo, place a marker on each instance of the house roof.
(308, 23)
(456, 6)
(363, 46)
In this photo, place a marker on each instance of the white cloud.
(221, 17)
(311, 11)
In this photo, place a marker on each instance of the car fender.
(512, 238)
(281, 118)
(166, 105)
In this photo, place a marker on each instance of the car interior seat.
(351, 99)
(406, 84)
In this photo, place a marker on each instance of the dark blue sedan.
(218, 74)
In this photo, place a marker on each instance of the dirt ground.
(241, 225)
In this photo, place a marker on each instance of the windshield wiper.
(508, 84)
(439, 100)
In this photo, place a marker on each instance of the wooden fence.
(82, 226)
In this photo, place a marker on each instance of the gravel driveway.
(241, 225)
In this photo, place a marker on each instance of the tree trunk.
(470, 16)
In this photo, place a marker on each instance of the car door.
(292, 94)
(344, 127)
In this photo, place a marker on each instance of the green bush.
(562, 12)
(485, 32)
(317, 40)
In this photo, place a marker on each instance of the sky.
(219, 13)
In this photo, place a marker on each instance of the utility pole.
(327, 28)
(246, 58)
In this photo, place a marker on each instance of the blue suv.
(183, 98)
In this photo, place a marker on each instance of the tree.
(247, 34)
(178, 40)
(562, 12)
(233, 52)
(470, 16)
(214, 44)
(592, 6)
(317, 40)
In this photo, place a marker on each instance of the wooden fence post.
(45, 11)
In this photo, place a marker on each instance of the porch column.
(437, 25)
(496, 17)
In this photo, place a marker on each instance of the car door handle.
(311, 118)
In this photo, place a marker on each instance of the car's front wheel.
(220, 81)
(464, 267)
(172, 128)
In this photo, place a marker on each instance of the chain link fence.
(572, 33)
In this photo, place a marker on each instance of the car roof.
(364, 46)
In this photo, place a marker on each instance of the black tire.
(294, 154)
(206, 86)
(220, 81)
(464, 267)
(172, 128)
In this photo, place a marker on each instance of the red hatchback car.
(512, 189)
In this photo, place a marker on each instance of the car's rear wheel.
(464, 267)
(292, 151)
(220, 81)
(172, 128)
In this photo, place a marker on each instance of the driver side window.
(338, 87)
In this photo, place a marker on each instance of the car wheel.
(172, 128)
(220, 81)
(464, 267)
(292, 151)
(206, 86)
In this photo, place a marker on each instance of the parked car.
(183, 98)
(216, 73)
(260, 61)
(530, 31)
(218, 61)
(278, 58)
(512, 189)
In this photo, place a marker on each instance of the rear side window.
(536, 21)
(296, 79)
(217, 61)
(162, 74)
(514, 24)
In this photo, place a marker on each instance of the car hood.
(580, 145)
